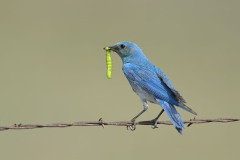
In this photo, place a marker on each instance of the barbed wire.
(102, 123)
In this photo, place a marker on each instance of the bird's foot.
(154, 121)
(133, 126)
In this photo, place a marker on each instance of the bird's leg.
(145, 107)
(156, 119)
(134, 118)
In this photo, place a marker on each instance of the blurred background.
(52, 67)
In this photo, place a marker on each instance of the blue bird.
(150, 84)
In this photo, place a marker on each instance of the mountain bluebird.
(150, 84)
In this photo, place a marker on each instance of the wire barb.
(189, 124)
(100, 122)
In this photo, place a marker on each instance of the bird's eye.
(122, 46)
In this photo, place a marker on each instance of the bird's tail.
(173, 115)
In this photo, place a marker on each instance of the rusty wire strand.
(102, 123)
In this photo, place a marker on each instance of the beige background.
(52, 69)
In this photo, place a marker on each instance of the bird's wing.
(165, 79)
(149, 81)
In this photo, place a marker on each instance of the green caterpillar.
(108, 62)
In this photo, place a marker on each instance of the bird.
(150, 83)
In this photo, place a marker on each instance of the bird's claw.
(154, 121)
(133, 126)
(154, 126)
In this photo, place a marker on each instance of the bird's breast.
(142, 93)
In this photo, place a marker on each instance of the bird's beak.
(112, 48)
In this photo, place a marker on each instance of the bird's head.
(128, 51)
